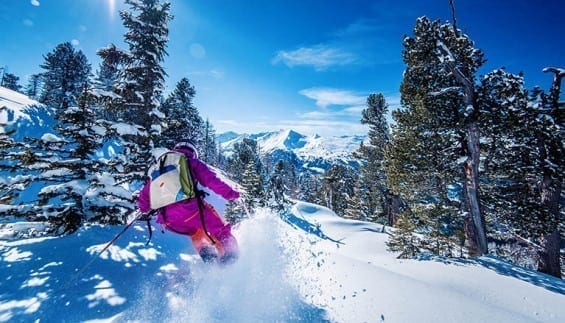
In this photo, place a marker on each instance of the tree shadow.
(306, 226)
(505, 268)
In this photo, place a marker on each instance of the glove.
(147, 215)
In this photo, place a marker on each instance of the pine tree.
(143, 81)
(437, 135)
(246, 167)
(182, 119)
(373, 173)
(66, 70)
(109, 77)
(404, 238)
(277, 189)
(33, 88)
(337, 187)
(548, 121)
(210, 150)
(11, 82)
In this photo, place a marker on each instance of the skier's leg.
(221, 232)
(203, 246)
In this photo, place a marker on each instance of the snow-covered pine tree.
(438, 90)
(373, 176)
(337, 187)
(505, 193)
(147, 35)
(182, 119)
(107, 82)
(246, 167)
(209, 149)
(8, 149)
(11, 81)
(66, 71)
(357, 207)
(33, 87)
(547, 121)
(276, 187)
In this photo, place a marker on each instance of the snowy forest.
(471, 164)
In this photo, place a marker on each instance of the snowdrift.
(306, 264)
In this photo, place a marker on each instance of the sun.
(111, 7)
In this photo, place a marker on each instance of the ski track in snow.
(257, 288)
(260, 287)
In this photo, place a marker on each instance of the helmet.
(187, 144)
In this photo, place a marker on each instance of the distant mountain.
(314, 153)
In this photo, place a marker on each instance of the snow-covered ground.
(306, 265)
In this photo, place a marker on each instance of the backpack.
(171, 180)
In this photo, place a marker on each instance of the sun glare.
(111, 7)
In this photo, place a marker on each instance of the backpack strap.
(198, 196)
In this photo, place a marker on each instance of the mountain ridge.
(310, 152)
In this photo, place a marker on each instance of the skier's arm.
(207, 177)
(143, 201)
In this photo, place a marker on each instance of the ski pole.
(104, 249)
(242, 202)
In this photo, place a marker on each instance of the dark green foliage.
(373, 176)
(246, 167)
(183, 121)
(11, 82)
(66, 71)
(337, 187)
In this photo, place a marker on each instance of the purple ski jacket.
(182, 211)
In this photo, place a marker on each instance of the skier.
(210, 234)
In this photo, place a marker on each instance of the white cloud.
(75, 42)
(307, 126)
(27, 22)
(319, 56)
(214, 73)
(35, 3)
(327, 96)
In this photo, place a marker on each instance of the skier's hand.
(147, 215)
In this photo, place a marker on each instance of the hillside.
(304, 265)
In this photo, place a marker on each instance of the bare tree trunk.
(472, 201)
(551, 186)
(476, 236)
(393, 207)
(549, 258)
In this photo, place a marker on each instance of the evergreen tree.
(33, 88)
(147, 36)
(109, 77)
(210, 151)
(182, 119)
(547, 123)
(373, 176)
(246, 167)
(142, 83)
(11, 82)
(437, 135)
(277, 188)
(66, 71)
(337, 187)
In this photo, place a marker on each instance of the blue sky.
(261, 65)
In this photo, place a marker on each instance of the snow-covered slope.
(304, 265)
(28, 117)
